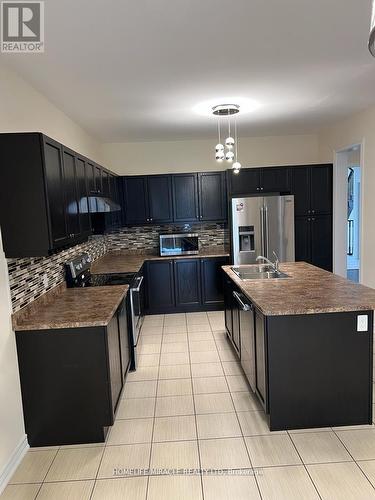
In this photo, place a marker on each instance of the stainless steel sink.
(262, 272)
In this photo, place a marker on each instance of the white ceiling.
(133, 70)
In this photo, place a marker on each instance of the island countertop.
(71, 308)
(123, 262)
(308, 290)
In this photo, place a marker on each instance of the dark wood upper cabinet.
(54, 177)
(301, 190)
(71, 194)
(321, 189)
(247, 181)
(212, 196)
(135, 200)
(159, 188)
(275, 180)
(187, 282)
(185, 197)
(82, 169)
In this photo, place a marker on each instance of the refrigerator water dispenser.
(246, 238)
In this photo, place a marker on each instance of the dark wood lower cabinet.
(71, 380)
(313, 240)
(184, 285)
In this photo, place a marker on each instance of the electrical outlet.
(45, 280)
(362, 323)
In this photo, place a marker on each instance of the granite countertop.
(71, 308)
(122, 262)
(309, 290)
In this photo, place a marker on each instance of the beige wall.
(191, 156)
(23, 109)
(354, 130)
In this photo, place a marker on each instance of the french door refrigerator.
(260, 226)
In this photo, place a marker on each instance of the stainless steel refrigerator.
(262, 225)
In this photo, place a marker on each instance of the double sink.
(258, 272)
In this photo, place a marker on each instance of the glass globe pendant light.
(236, 165)
(219, 148)
(226, 152)
(371, 42)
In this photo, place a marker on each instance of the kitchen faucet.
(275, 264)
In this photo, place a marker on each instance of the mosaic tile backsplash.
(29, 278)
(146, 238)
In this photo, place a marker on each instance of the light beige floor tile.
(267, 451)
(150, 339)
(224, 453)
(216, 315)
(360, 444)
(180, 428)
(175, 455)
(174, 347)
(175, 329)
(224, 345)
(219, 335)
(175, 337)
(218, 425)
(140, 389)
(198, 336)
(246, 401)
(354, 427)
(175, 320)
(227, 487)
(287, 483)
(209, 385)
(75, 464)
(202, 346)
(124, 460)
(174, 487)
(227, 354)
(148, 360)
(303, 431)
(131, 431)
(204, 357)
(154, 320)
(20, 492)
(320, 447)
(368, 467)
(213, 403)
(341, 481)
(83, 445)
(34, 467)
(202, 327)
(143, 373)
(197, 314)
(151, 330)
(72, 490)
(149, 348)
(174, 358)
(136, 408)
(174, 405)
(196, 318)
(254, 423)
(207, 370)
(232, 368)
(133, 488)
(237, 383)
(174, 371)
(217, 326)
(174, 387)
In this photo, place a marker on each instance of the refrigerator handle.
(266, 233)
(262, 231)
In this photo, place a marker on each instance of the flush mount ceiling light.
(229, 151)
(371, 42)
(205, 108)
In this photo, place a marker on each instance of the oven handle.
(138, 289)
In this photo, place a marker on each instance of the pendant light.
(371, 42)
(228, 150)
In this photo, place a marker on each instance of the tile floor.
(188, 407)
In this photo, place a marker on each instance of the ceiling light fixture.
(371, 42)
(227, 112)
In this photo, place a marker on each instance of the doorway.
(347, 213)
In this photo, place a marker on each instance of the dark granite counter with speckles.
(122, 262)
(71, 308)
(308, 290)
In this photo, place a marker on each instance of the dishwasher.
(245, 311)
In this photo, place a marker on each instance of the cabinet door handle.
(244, 307)
(313, 211)
(308, 220)
(151, 220)
(313, 218)
(258, 189)
(261, 189)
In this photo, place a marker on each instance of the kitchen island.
(306, 345)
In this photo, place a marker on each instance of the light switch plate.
(362, 323)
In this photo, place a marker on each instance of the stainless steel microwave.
(178, 244)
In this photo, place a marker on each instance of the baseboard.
(14, 461)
